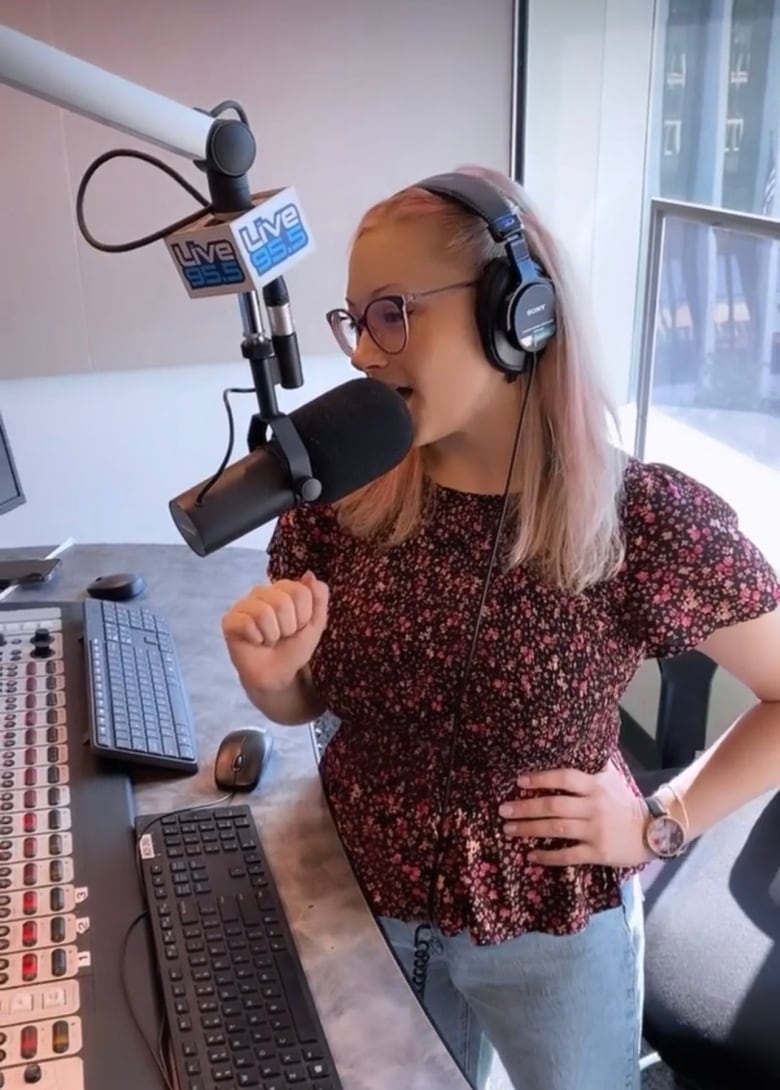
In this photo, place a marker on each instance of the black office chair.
(712, 1002)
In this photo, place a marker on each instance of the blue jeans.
(562, 1012)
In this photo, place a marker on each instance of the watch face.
(665, 837)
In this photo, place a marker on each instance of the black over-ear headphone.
(515, 298)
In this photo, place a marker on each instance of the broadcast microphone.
(352, 434)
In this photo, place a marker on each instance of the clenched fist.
(272, 633)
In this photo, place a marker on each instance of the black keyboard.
(139, 711)
(238, 1003)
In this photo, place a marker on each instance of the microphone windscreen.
(354, 434)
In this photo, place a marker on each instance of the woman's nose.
(367, 356)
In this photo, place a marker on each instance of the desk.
(379, 1035)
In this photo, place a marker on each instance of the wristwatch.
(664, 835)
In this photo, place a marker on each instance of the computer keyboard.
(139, 711)
(238, 1004)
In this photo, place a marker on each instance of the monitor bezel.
(19, 498)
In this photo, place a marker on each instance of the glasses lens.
(386, 322)
(344, 330)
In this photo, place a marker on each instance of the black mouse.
(241, 758)
(117, 588)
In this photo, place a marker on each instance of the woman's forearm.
(298, 703)
(742, 764)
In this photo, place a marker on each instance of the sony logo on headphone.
(535, 310)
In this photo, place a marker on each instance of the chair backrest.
(683, 707)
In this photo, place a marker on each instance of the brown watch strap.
(656, 807)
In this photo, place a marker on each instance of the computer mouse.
(117, 588)
(241, 758)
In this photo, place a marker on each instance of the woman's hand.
(272, 632)
(599, 812)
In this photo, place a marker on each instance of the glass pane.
(713, 133)
(715, 396)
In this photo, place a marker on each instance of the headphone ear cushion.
(497, 286)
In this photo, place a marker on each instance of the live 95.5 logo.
(209, 264)
(271, 240)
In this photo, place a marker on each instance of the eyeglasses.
(385, 319)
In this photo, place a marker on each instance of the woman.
(477, 784)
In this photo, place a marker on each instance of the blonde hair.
(565, 516)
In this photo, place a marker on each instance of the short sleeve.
(690, 569)
(303, 539)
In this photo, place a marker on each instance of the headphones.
(515, 307)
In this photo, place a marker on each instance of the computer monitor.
(11, 494)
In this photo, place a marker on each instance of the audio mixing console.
(70, 900)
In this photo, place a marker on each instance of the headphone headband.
(515, 299)
(481, 198)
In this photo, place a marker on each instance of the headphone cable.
(423, 935)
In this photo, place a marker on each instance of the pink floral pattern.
(548, 673)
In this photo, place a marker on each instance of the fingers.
(549, 828)
(571, 780)
(573, 856)
(274, 612)
(546, 806)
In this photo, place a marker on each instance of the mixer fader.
(58, 849)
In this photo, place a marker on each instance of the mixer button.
(60, 1036)
(29, 1044)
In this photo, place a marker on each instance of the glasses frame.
(401, 299)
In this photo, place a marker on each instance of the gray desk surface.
(379, 1036)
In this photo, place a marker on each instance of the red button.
(30, 800)
(29, 1044)
(30, 876)
(29, 902)
(29, 933)
(29, 967)
(30, 777)
(30, 822)
(30, 847)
